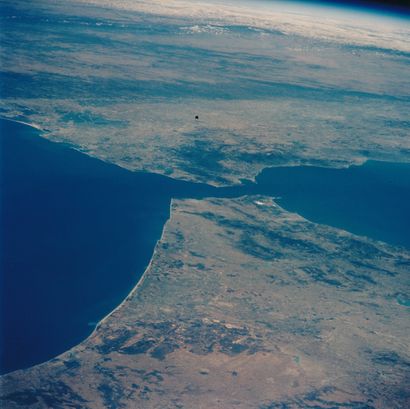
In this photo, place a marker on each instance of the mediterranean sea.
(372, 199)
(77, 233)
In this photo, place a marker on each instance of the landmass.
(243, 305)
(124, 84)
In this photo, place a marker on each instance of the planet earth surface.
(205, 204)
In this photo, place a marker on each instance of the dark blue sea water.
(76, 233)
(371, 200)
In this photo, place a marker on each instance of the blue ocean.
(77, 233)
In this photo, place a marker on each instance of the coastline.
(347, 165)
(126, 299)
(100, 322)
(30, 124)
(139, 282)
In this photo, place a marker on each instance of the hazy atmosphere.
(228, 180)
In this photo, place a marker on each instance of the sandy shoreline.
(127, 298)
(100, 322)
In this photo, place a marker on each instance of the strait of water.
(76, 233)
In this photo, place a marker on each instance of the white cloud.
(329, 23)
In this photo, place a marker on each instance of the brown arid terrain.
(243, 305)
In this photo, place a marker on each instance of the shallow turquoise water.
(77, 233)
